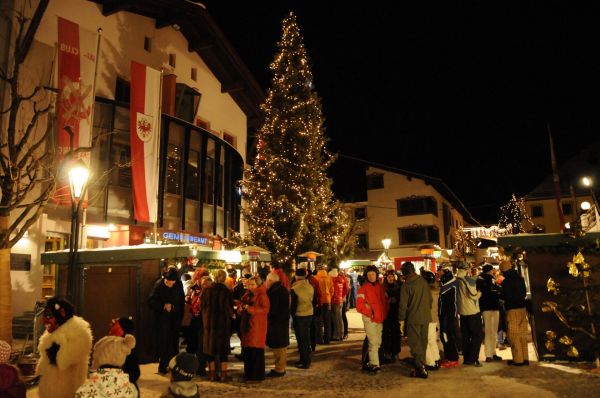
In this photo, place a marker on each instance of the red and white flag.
(77, 55)
(145, 131)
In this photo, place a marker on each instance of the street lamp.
(588, 182)
(78, 178)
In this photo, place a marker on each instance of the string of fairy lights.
(289, 205)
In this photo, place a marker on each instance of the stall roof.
(540, 240)
(140, 252)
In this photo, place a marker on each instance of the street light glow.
(78, 177)
(587, 181)
(386, 243)
(585, 205)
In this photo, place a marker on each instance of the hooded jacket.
(258, 311)
(371, 301)
(468, 295)
(415, 301)
(325, 287)
(340, 287)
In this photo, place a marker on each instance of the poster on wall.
(20, 262)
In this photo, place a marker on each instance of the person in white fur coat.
(64, 350)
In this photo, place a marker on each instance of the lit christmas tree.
(514, 217)
(289, 205)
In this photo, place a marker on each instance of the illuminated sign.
(186, 238)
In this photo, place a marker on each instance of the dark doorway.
(109, 292)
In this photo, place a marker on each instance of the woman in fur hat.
(64, 350)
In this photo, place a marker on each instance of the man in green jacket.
(415, 313)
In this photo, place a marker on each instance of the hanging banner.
(144, 137)
(76, 69)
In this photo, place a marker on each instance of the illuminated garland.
(289, 205)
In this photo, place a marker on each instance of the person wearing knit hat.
(303, 302)
(514, 293)
(489, 304)
(64, 350)
(10, 383)
(372, 304)
(120, 327)
(183, 367)
(108, 379)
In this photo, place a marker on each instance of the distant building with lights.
(210, 103)
(540, 202)
(414, 211)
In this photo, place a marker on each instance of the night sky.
(462, 91)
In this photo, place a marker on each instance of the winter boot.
(419, 372)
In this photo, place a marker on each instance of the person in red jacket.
(255, 308)
(372, 303)
(340, 290)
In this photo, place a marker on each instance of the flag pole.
(556, 179)
(85, 203)
(162, 70)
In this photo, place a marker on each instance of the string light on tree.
(289, 205)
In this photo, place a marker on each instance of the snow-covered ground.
(336, 372)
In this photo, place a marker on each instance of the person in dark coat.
(489, 304)
(514, 292)
(391, 327)
(448, 315)
(166, 301)
(278, 321)
(415, 311)
(216, 307)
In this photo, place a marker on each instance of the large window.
(174, 169)
(192, 186)
(362, 241)
(375, 181)
(360, 213)
(186, 102)
(417, 205)
(537, 211)
(120, 150)
(418, 234)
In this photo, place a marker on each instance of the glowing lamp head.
(585, 205)
(78, 178)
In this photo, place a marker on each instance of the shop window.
(375, 181)
(421, 234)
(186, 102)
(416, 205)
(537, 211)
(173, 174)
(360, 213)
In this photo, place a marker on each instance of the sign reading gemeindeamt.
(76, 68)
(144, 136)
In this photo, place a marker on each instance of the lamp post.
(588, 182)
(78, 178)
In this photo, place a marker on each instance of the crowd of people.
(450, 312)
(460, 308)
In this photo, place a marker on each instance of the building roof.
(439, 185)
(207, 40)
(585, 163)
